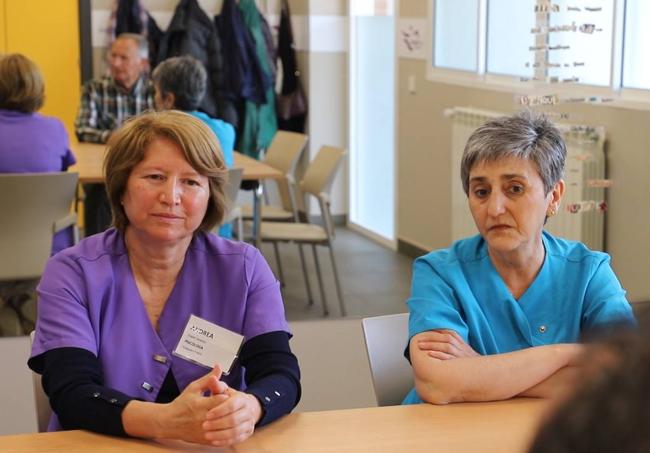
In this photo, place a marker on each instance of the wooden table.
(499, 427)
(90, 159)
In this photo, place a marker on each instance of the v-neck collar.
(166, 321)
(519, 308)
(500, 283)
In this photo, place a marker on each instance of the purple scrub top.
(88, 299)
(34, 143)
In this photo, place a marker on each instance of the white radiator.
(585, 162)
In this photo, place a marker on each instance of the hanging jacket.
(260, 121)
(244, 77)
(292, 92)
(191, 32)
(128, 16)
(271, 51)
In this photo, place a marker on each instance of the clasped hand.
(223, 418)
(444, 345)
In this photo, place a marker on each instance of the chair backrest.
(392, 376)
(283, 154)
(285, 150)
(232, 187)
(30, 205)
(320, 174)
(43, 408)
(318, 180)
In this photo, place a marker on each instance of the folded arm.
(446, 370)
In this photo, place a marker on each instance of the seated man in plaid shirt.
(105, 104)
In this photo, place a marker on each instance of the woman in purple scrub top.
(30, 142)
(112, 309)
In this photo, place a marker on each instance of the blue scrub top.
(225, 133)
(459, 289)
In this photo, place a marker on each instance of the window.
(590, 45)
(636, 50)
(456, 34)
(601, 44)
(506, 19)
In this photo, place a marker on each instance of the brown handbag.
(292, 104)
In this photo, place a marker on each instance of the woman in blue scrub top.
(499, 314)
(180, 83)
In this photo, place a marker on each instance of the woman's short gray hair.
(526, 135)
(185, 78)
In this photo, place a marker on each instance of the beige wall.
(424, 137)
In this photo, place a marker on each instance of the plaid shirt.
(105, 106)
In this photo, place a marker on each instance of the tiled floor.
(374, 279)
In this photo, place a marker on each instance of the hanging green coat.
(260, 121)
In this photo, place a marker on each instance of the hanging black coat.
(245, 79)
(291, 102)
(191, 32)
(129, 18)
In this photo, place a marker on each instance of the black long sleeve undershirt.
(73, 380)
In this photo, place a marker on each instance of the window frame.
(635, 98)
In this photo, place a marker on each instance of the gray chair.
(16, 392)
(392, 376)
(234, 213)
(34, 206)
(42, 402)
(317, 183)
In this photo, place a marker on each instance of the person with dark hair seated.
(180, 83)
(105, 104)
(116, 310)
(610, 408)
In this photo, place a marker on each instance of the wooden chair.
(41, 401)
(283, 154)
(317, 183)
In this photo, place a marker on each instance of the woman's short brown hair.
(127, 146)
(21, 84)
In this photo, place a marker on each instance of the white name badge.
(208, 344)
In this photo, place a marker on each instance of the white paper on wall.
(411, 38)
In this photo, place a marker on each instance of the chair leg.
(265, 193)
(339, 293)
(257, 215)
(279, 264)
(326, 311)
(304, 273)
(75, 234)
(240, 228)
